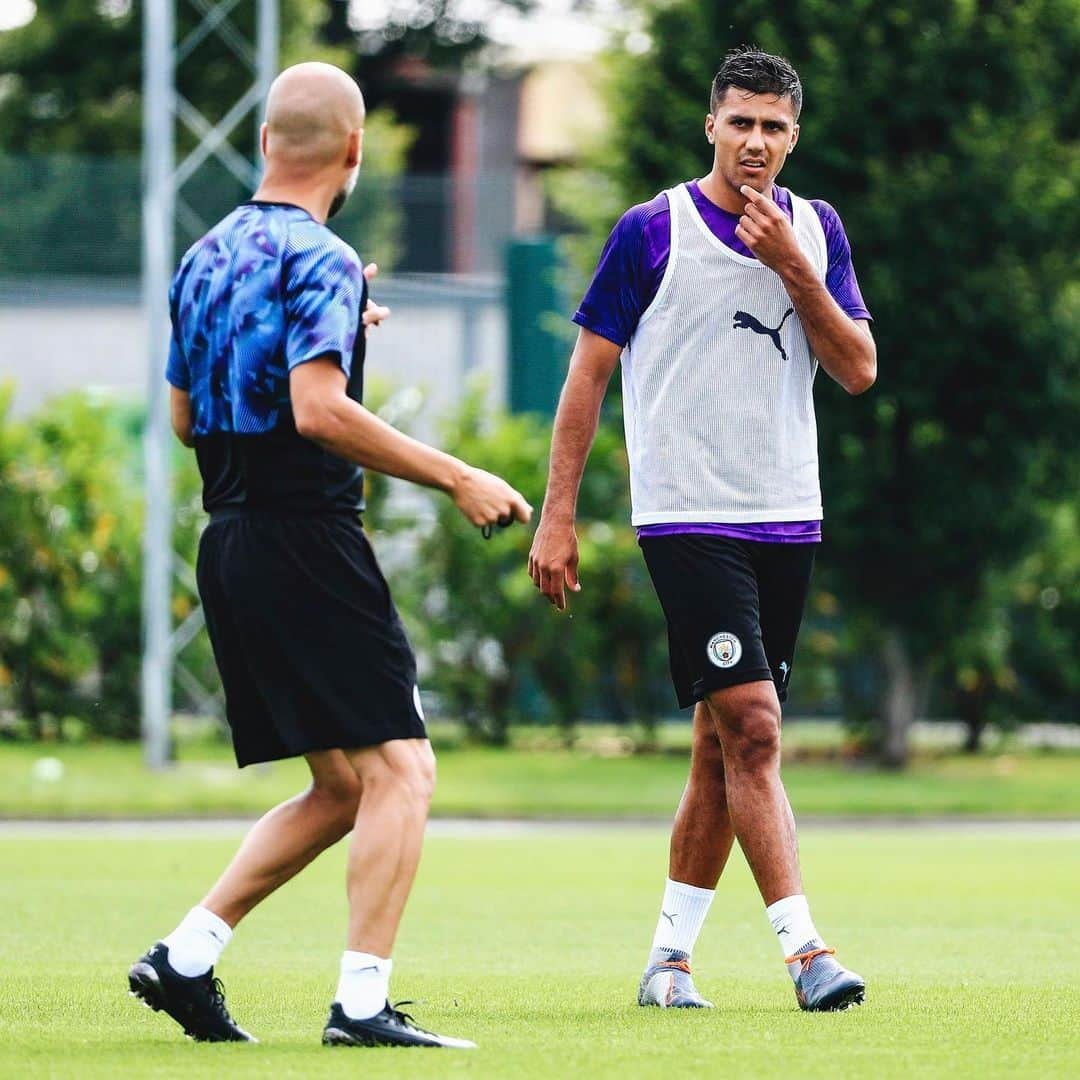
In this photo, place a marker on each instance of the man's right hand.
(486, 499)
(553, 560)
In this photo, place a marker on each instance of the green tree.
(945, 133)
(491, 647)
(447, 34)
(71, 134)
(1021, 664)
(73, 74)
(70, 523)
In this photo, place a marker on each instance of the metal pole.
(162, 181)
(266, 64)
(158, 218)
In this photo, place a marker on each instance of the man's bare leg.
(747, 720)
(385, 792)
(748, 724)
(278, 846)
(287, 838)
(702, 836)
(175, 974)
(397, 781)
(701, 840)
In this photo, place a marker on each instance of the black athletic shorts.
(733, 609)
(311, 651)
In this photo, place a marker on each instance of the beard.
(339, 200)
(336, 203)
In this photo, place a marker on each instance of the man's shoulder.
(306, 236)
(644, 223)
(827, 214)
(825, 211)
(638, 218)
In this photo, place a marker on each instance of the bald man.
(269, 314)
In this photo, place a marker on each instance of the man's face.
(753, 134)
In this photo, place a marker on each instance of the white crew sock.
(364, 984)
(794, 928)
(197, 943)
(681, 917)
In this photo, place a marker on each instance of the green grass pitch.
(531, 942)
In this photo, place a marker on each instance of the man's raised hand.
(764, 228)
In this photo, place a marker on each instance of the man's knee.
(400, 771)
(338, 795)
(707, 756)
(748, 725)
(423, 774)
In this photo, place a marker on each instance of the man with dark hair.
(721, 296)
(759, 72)
(266, 373)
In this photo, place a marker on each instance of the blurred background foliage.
(945, 132)
(71, 135)
(492, 654)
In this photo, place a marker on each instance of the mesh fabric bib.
(718, 385)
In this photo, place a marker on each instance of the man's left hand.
(764, 228)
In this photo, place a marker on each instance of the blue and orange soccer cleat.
(821, 983)
(667, 982)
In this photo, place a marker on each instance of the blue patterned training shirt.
(268, 288)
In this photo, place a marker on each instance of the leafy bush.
(70, 523)
(71, 519)
(490, 646)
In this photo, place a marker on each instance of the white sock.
(363, 985)
(197, 943)
(794, 928)
(681, 916)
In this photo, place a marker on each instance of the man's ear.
(264, 134)
(710, 127)
(794, 138)
(355, 148)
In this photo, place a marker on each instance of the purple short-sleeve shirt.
(629, 273)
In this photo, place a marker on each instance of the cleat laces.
(807, 958)
(679, 965)
(405, 1019)
(216, 994)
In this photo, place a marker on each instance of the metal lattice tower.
(165, 208)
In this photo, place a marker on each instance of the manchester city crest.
(724, 650)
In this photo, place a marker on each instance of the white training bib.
(718, 385)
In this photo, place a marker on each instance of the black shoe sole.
(847, 998)
(145, 986)
(338, 1037)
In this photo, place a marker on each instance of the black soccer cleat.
(391, 1027)
(197, 1004)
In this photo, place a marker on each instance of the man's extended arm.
(553, 559)
(324, 413)
(844, 347)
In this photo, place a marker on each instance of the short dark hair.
(749, 68)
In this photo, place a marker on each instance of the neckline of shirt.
(274, 202)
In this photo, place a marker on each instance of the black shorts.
(311, 651)
(733, 609)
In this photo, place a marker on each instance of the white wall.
(60, 336)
